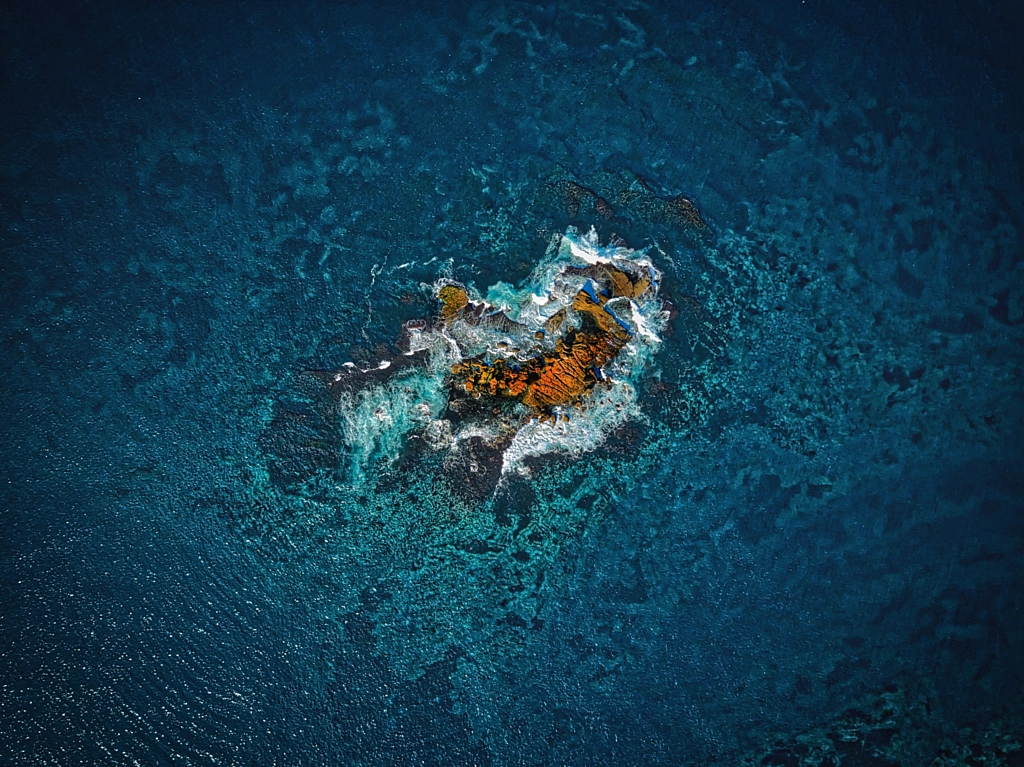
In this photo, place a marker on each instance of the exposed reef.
(563, 376)
(513, 374)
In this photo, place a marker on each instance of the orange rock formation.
(564, 375)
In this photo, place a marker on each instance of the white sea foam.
(377, 419)
(577, 431)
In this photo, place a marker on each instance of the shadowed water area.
(698, 434)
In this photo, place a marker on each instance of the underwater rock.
(681, 210)
(574, 194)
(626, 196)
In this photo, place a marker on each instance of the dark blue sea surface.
(804, 547)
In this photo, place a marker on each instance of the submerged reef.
(516, 373)
(631, 196)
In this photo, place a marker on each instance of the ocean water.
(788, 532)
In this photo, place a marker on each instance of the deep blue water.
(808, 547)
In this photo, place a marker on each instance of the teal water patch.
(376, 421)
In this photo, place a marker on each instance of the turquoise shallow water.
(802, 545)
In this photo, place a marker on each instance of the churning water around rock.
(512, 384)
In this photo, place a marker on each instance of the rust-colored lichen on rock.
(453, 298)
(548, 380)
(563, 375)
(619, 283)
